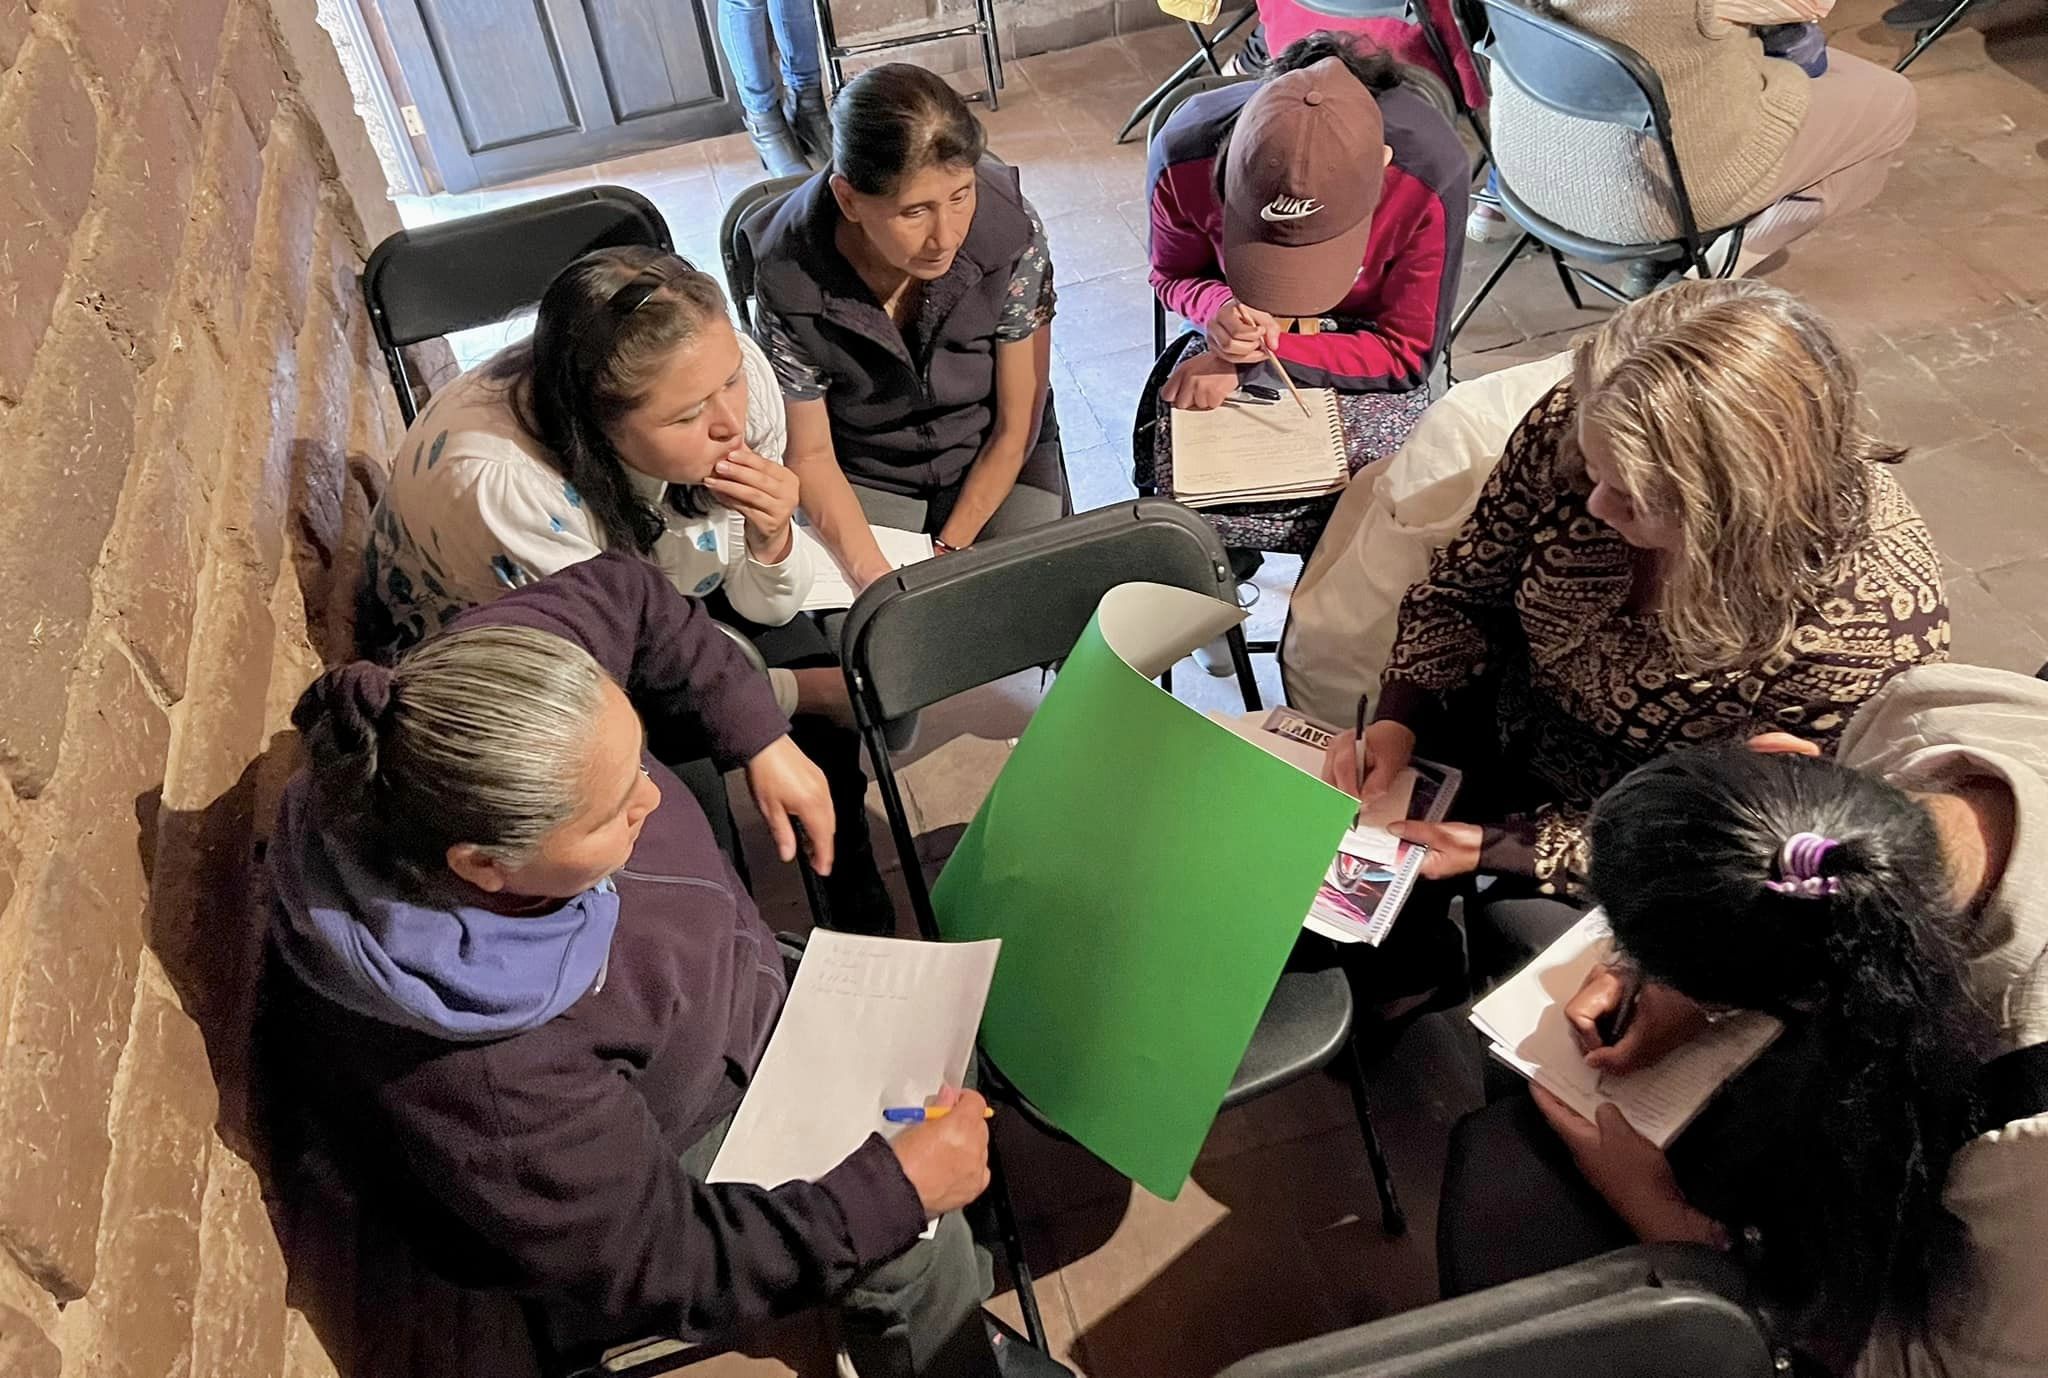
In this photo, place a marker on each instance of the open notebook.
(1524, 1018)
(1246, 452)
(831, 590)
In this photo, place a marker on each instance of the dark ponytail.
(1851, 935)
(606, 327)
(894, 121)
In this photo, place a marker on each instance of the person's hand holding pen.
(1241, 334)
(1365, 761)
(1624, 1023)
(946, 1156)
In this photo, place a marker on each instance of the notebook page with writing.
(1524, 1017)
(1236, 451)
(831, 589)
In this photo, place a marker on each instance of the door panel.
(650, 63)
(503, 69)
(511, 88)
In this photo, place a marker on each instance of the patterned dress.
(1531, 598)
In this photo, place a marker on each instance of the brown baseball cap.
(1300, 183)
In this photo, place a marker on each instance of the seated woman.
(906, 301)
(1889, 1212)
(521, 991)
(1315, 215)
(1752, 131)
(1690, 540)
(635, 419)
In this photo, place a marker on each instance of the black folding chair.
(426, 283)
(982, 27)
(737, 250)
(1206, 44)
(1576, 73)
(1646, 1312)
(936, 629)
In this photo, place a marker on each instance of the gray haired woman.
(523, 991)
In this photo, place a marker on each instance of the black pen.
(1361, 745)
(1613, 1027)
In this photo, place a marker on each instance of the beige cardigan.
(1733, 114)
(1988, 1316)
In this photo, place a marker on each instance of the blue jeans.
(744, 27)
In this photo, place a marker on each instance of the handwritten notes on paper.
(870, 1023)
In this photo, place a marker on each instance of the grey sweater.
(1733, 115)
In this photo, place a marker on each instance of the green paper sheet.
(1147, 871)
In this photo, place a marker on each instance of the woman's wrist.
(770, 547)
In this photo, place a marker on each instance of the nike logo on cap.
(1290, 208)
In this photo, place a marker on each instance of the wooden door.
(507, 89)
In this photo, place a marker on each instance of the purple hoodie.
(518, 1097)
(457, 972)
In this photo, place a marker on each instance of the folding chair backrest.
(945, 626)
(1581, 74)
(425, 283)
(1161, 113)
(1574, 72)
(1645, 1312)
(737, 250)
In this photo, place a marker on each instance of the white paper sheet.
(1525, 1018)
(832, 590)
(870, 1023)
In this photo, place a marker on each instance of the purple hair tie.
(1799, 862)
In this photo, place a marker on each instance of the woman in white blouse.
(635, 418)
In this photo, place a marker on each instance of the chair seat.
(1302, 1030)
(1594, 250)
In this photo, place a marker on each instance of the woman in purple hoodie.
(521, 990)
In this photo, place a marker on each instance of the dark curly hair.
(1870, 974)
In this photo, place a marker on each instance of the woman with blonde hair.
(1691, 539)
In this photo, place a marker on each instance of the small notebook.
(1524, 1018)
(1248, 452)
(832, 590)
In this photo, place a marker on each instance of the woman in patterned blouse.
(1690, 540)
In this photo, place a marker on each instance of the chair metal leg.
(1013, 1251)
(991, 62)
(1241, 660)
(1493, 278)
(1931, 36)
(1571, 285)
(1392, 1218)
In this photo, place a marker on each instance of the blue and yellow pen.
(918, 1114)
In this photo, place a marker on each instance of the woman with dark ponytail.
(1877, 925)
(906, 300)
(520, 992)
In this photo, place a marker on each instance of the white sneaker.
(1214, 658)
(1485, 224)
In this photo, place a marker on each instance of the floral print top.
(475, 507)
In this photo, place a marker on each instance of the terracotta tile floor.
(1940, 286)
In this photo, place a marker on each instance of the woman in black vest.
(906, 301)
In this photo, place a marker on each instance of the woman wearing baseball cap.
(1316, 215)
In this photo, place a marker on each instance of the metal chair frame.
(983, 27)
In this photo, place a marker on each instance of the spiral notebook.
(1250, 452)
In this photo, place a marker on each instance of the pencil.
(1281, 369)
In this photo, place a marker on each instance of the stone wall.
(189, 407)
